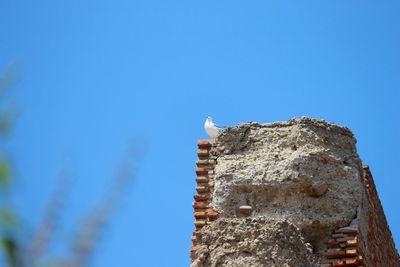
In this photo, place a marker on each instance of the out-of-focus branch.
(45, 232)
(91, 230)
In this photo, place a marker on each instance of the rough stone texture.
(252, 242)
(305, 184)
(272, 167)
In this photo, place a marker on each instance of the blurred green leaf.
(10, 248)
(5, 176)
(7, 218)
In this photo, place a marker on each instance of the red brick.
(210, 209)
(334, 253)
(200, 214)
(347, 230)
(204, 143)
(245, 209)
(200, 197)
(352, 243)
(202, 179)
(199, 210)
(202, 189)
(212, 214)
(200, 223)
(201, 171)
(202, 153)
(351, 261)
(339, 263)
(199, 205)
(344, 239)
(202, 162)
(351, 252)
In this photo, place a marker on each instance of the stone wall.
(287, 194)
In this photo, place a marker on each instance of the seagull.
(211, 128)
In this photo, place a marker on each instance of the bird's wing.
(216, 125)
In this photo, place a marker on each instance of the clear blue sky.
(97, 73)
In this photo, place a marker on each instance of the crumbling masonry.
(289, 193)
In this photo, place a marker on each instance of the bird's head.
(208, 118)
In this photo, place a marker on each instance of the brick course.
(203, 213)
(343, 249)
(368, 243)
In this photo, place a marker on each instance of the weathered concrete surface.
(281, 170)
(253, 242)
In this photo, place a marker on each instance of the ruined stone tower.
(287, 194)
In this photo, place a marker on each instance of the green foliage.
(8, 218)
(15, 250)
(5, 176)
(9, 245)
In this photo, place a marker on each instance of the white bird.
(211, 128)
